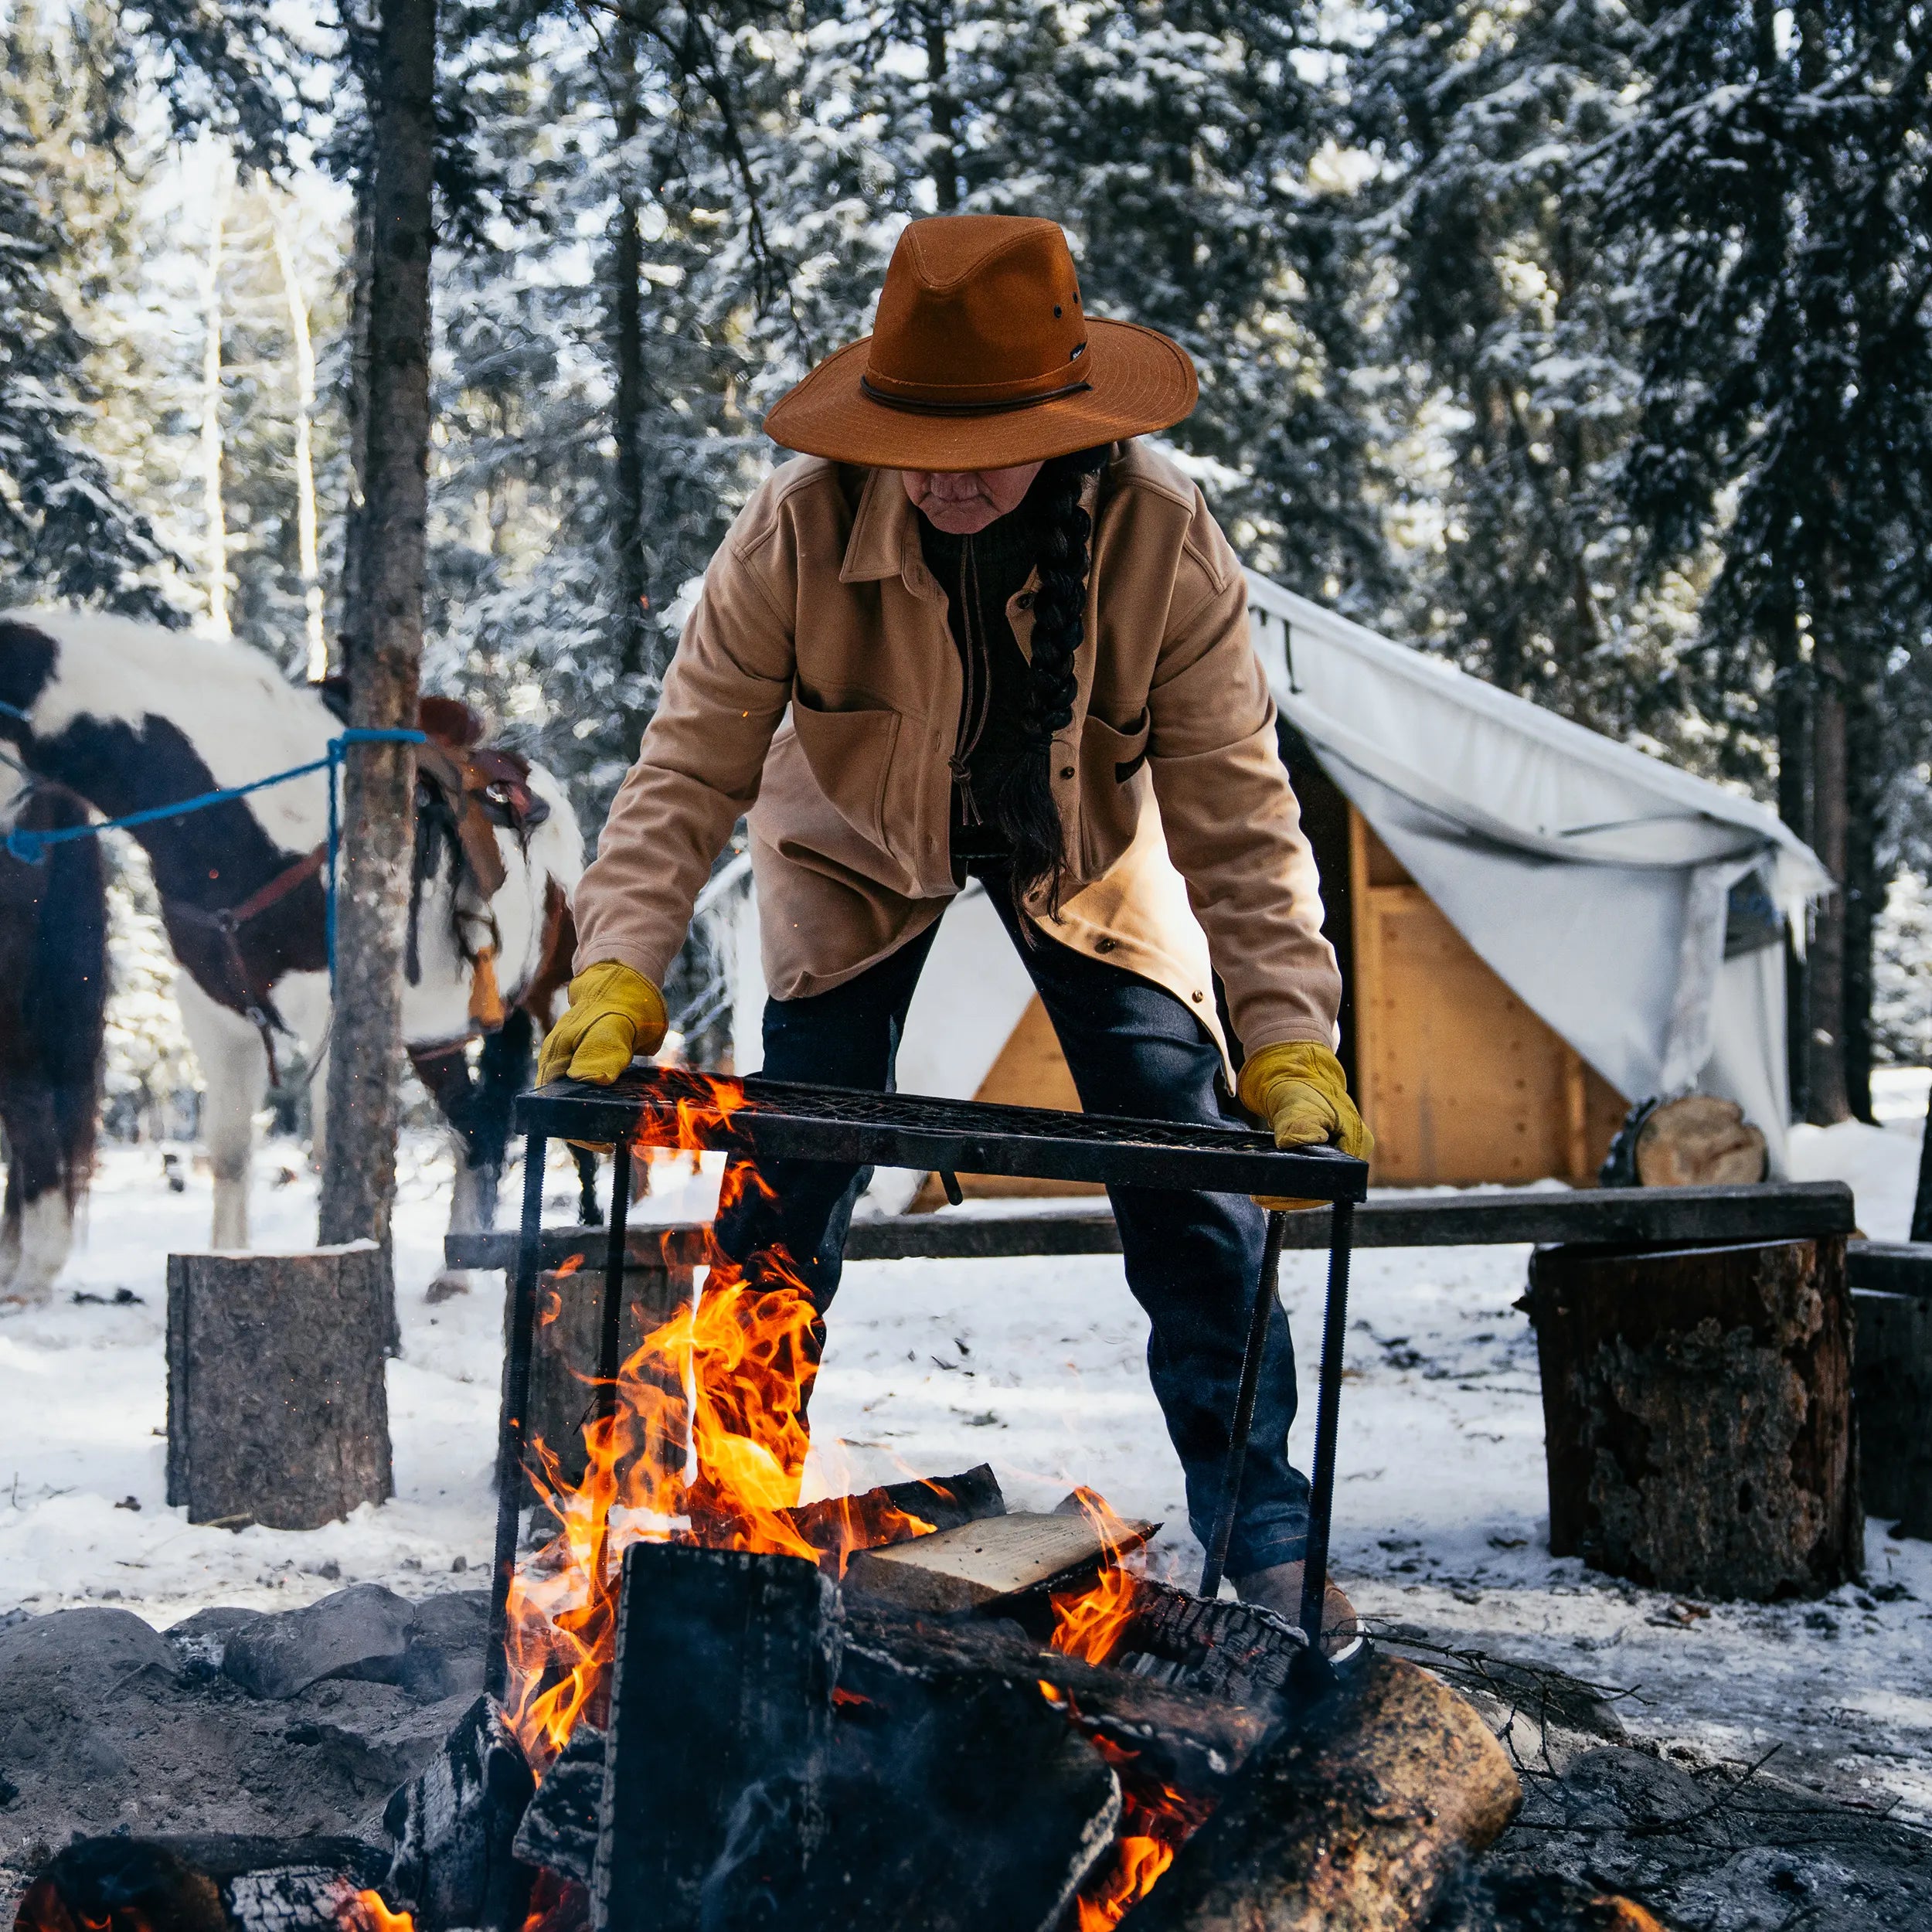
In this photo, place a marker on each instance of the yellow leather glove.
(615, 1012)
(1299, 1088)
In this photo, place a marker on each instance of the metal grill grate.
(667, 1107)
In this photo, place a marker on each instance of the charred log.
(1187, 1738)
(210, 1882)
(720, 1724)
(1358, 1817)
(454, 1825)
(559, 1828)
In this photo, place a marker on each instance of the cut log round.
(1355, 1821)
(1699, 1141)
(278, 1405)
(563, 1350)
(1697, 1410)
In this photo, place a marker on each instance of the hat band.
(968, 409)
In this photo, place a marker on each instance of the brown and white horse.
(119, 716)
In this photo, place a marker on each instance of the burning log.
(979, 1565)
(213, 1882)
(1697, 1406)
(955, 1806)
(720, 1724)
(559, 1828)
(1181, 1737)
(454, 1825)
(1355, 1820)
(896, 1512)
(278, 1407)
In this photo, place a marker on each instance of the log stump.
(1892, 1381)
(1697, 1411)
(563, 1352)
(278, 1405)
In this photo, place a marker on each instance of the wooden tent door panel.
(1461, 1082)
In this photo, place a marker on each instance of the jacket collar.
(884, 539)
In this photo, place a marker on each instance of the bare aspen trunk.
(215, 538)
(359, 1175)
(1830, 1101)
(354, 624)
(317, 645)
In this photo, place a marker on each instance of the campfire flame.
(367, 1913)
(1090, 1624)
(1154, 1826)
(706, 1443)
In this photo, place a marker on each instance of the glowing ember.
(707, 1444)
(366, 1912)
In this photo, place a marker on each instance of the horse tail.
(65, 1003)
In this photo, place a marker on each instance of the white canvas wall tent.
(1637, 912)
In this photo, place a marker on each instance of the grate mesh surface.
(776, 1120)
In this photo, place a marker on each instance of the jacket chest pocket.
(1112, 761)
(850, 752)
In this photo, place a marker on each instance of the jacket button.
(1066, 771)
(1198, 996)
(1025, 600)
(1105, 945)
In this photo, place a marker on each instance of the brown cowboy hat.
(982, 358)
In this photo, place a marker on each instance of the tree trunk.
(1892, 1379)
(358, 1176)
(1922, 1201)
(354, 628)
(1697, 1414)
(214, 520)
(1864, 891)
(317, 653)
(1830, 1101)
(944, 110)
(277, 1409)
(626, 355)
(1790, 699)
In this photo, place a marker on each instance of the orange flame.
(707, 1444)
(1090, 1624)
(1156, 1821)
(366, 1912)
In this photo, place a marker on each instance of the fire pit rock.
(108, 1725)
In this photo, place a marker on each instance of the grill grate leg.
(1243, 1424)
(516, 1402)
(1314, 1577)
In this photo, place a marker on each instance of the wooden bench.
(1890, 1284)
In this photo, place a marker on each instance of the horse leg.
(234, 1064)
(36, 1231)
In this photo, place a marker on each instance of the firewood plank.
(979, 1563)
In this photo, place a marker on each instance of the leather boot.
(1278, 1588)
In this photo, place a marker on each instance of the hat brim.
(1138, 381)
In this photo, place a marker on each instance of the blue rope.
(32, 847)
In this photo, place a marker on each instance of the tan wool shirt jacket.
(816, 687)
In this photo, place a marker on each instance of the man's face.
(962, 502)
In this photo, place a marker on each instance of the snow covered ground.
(1035, 1365)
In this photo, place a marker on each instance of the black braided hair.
(1024, 809)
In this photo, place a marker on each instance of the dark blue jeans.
(1192, 1260)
